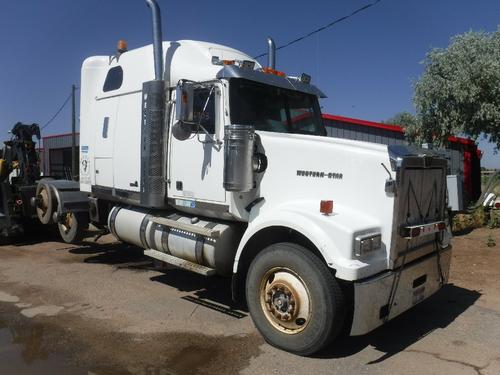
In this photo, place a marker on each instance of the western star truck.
(215, 164)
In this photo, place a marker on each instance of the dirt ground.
(104, 309)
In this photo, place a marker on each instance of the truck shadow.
(437, 312)
(213, 292)
(116, 254)
(33, 234)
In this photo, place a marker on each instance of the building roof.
(393, 128)
(60, 135)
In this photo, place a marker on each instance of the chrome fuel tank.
(181, 239)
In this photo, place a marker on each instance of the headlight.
(366, 243)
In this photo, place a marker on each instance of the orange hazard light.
(122, 46)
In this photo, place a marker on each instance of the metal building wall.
(361, 130)
(56, 142)
(355, 132)
(59, 141)
(367, 133)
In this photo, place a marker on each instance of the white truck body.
(215, 164)
(302, 171)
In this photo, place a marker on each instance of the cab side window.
(205, 116)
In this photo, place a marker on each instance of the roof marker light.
(272, 71)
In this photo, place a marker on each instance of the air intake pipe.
(157, 38)
(271, 53)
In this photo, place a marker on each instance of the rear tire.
(73, 226)
(294, 299)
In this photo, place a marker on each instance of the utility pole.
(74, 162)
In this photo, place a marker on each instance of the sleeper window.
(114, 79)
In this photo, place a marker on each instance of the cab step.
(207, 232)
(181, 263)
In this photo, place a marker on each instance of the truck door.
(196, 164)
(127, 145)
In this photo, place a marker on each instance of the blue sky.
(365, 65)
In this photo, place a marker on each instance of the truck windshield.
(274, 109)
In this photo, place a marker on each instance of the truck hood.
(304, 167)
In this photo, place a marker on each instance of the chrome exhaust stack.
(157, 38)
(152, 187)
(271, 53)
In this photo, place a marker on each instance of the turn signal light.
(326, 207)
(415, 232)
(441, 226)
(228, 62)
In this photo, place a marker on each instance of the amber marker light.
(122, 46)
(326, 207)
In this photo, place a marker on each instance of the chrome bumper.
(418, 281)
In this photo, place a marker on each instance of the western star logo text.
(316, 174)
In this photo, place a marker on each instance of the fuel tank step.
(181, 263)
(211, 233)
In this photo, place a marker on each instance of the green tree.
(403, 119)
(408, 121)
(459, 91)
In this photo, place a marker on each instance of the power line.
(363, 8)
(58, 111)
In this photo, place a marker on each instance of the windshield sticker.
(316, 174)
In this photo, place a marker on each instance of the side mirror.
(184, 123)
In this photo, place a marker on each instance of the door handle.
(134, 184)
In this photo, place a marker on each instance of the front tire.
(73, 226)
(294, 299)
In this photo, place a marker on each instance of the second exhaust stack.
(271, 53)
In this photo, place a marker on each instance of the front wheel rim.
(285, 300)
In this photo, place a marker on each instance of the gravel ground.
(104, 309)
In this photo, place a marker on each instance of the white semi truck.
(215, 164)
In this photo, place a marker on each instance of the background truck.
(19, 173)
(25, 196)
(215, 164)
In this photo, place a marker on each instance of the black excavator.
(19, 173)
